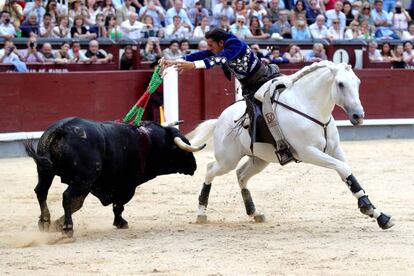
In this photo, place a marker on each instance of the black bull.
(106, 159)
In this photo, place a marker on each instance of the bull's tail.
(41, 161)
(202, 132)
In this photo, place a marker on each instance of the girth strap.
(325, 126)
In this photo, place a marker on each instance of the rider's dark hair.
(216, 35)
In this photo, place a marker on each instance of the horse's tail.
(202, 132)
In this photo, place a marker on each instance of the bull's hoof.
(68, 231)
(260, 218)
(201, 219)
(121, 224)
(43, 225)
(385, 221)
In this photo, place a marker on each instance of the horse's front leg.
(337, 162)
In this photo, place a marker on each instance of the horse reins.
(324, 126)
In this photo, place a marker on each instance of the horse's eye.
(341, 85)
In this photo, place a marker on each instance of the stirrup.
(284, 155)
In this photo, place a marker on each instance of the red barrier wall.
(32, 101)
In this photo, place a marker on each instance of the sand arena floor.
(313, 225)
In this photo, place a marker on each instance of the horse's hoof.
(57, 226)
(67, 231)
(259, 218)
(385, 221)
(43, 225)
(123, 225)
(202, 218)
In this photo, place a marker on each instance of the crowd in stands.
(180, 20)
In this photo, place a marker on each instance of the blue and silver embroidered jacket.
(236, 56)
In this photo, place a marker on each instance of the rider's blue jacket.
(236, 56)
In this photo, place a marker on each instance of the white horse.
(314, 91)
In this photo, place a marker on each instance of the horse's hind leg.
(252, 167)
(338, 163)
(213, 169)
(41, 190)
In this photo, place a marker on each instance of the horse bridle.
(324, 126)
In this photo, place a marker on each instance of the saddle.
(264, 126)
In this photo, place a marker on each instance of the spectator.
(267, 26)
(382, 22)
(276, 57)
(200, 31)
(353, 32)
(257, 9)
(127, 58)
(185, 47)
(282, 26)
(409, 34)
(399, 18)
(222, 9)
(256, 50)
(312, 12)
(374, 54)
(55, 13)
(152, 50)
(112, 29)
(224, 23)
(46, 27)
(274, 9)
(7, 29)
(31, 54)
(47, 52)
(255, 29)
(106, 8)
(95, 55)
(132, 28)
(99, 27)
(123, 12)
(239, 7)
(30, 27)
(336, 13)
(62, 30)
(239, 29)
(177, 10)
(15, 11)
(298, 10)
(365, 14)
(408, 54)
(318, 29)
(335, 32)
(62, 55)
(149, 30)
(173, 51)
(317, 54)
(77, 8)
(36, 8)
(367, 30)
(386, 52)
(9, 54)
(202, 45)
(197, 13)
(92, 8)
(293, 54)
(301, 31)
(177, 30)
(75, 53)
(349, 14)
(156, 12)
(397, 58)
(79, 30)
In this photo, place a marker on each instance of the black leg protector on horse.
(364, 204)
(248, 202)
(353, 184)
(205, 193)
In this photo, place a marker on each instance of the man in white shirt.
(9, 54)
(7, 29)
(36, 8)
(336, 13)
(373, 52)
(132, 28)
(318, 29)
(177, 10)
(177, 30)
(222, 9)
(123, 12)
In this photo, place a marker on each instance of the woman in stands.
(127, 62)
(349, 13)
(256, 30)
(366, 30)
(201, 30)
(78, 29)
(106, 8)
(293, 54)
(298, 10)
(408, 34)
(408, 54)
(239, 7)
(77, 8)
(62, 30)
(335, 32)
(112, 29)
(62, 55)
(52, 9)
(300, 31)
(398, 58)
(365, 14)
(353, 32)
(92, 8)
(152, 50)
(149, 30)
(386, 52)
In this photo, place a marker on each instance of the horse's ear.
(334, 69)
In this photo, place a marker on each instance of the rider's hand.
(184, 65)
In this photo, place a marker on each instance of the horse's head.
(346, 92)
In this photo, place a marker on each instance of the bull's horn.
(171, 124)
(184, 146)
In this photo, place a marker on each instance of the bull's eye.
(341, 85)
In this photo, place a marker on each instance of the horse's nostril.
(355, 116)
